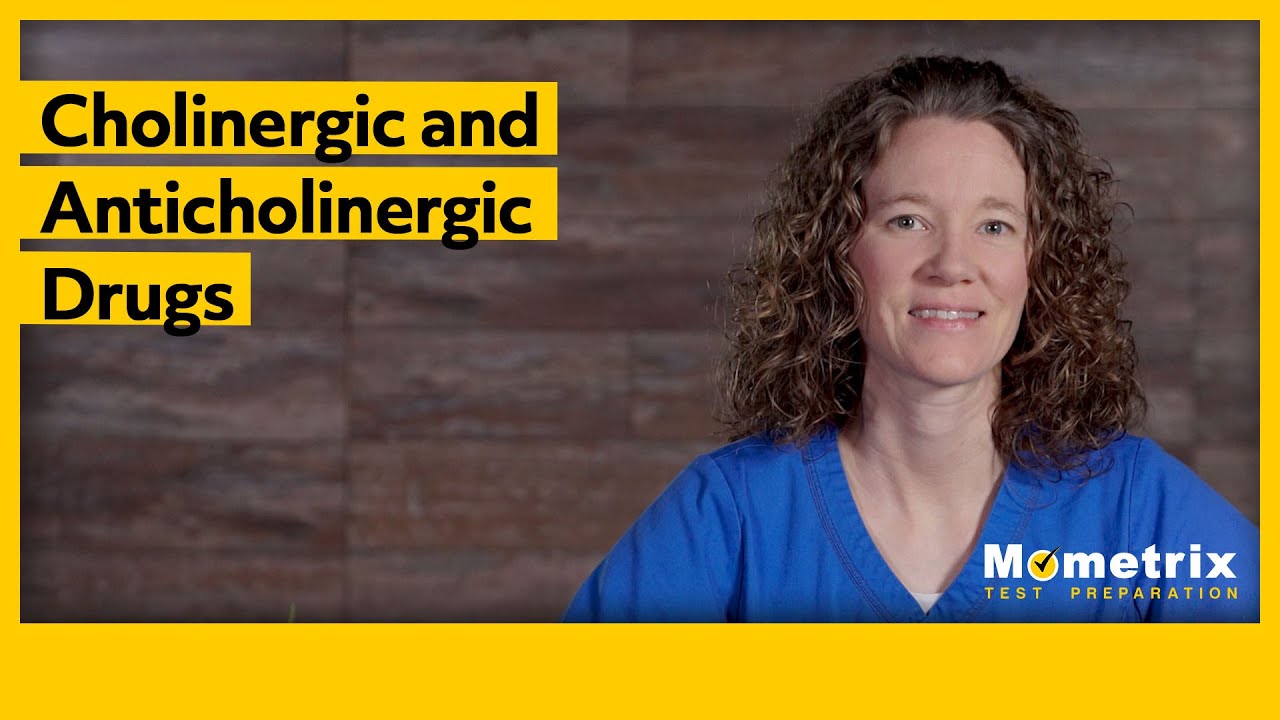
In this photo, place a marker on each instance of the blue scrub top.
(755, 532)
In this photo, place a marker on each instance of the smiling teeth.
(945, 314)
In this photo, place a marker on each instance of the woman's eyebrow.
(994, 203)
(909, 197)
(989, 202)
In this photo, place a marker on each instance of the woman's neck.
(924, 449)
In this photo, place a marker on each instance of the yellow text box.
(330, 120)
(458, 206)
(181, 290)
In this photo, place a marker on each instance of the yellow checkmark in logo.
(1043, 564)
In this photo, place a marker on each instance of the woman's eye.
(995, 227)
(906, 222)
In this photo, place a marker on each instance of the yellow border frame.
(376, 670)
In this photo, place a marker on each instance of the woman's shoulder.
(1123, 454)
(1130, 458)
(1163, 488)
(754, 474)
(762, 456)
(1144, 461)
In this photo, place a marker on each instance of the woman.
(932, 386)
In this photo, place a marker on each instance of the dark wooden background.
(412, 433)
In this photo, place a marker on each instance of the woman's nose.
(952, 260)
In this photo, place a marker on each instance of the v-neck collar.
(866, 567)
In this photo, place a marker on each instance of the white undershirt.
(926, 600)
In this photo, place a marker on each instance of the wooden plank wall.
(412, 433)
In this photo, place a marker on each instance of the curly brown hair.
(794, 365)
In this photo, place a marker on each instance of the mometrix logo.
(1007, 561)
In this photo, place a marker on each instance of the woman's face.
(943, 254)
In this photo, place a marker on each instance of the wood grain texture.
(672, 386)
(1229, 60)
(465, 586)
(221, 383)
(195, 586)
(600, 276)
(589, 60)
(1233, 471)
(152, 494)
(1139, 65)
(182, 50)
(411, 383)
(511, 494)
(1227, 350)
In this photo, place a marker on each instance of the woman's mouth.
(938, 314)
